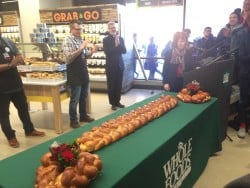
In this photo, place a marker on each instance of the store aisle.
(229, 164)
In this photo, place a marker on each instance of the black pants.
(20, 102)
(244, 84)
(114, 85)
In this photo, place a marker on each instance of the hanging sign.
(170, 2)
(76, 14)
(147, 3)
(150, 3)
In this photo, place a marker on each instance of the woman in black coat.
(177, 60)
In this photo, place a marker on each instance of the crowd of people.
(234, 39)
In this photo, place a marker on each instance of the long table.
(169, 151)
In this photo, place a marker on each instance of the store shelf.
(44, 82)
(98, 77)
(11, 32)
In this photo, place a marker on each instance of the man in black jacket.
(11, 90)
(206, 46)
(113, 46)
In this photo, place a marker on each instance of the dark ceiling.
(8, 6)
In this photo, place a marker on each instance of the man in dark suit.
(113, 46)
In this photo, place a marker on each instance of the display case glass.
(42, 62)
(41, 50)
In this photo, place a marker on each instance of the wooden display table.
(48, 92)
(54, 92)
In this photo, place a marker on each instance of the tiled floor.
(232, 162)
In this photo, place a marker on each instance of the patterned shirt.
(70, 45)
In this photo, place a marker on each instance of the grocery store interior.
(30, 33)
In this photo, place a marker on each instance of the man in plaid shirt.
(75, 53)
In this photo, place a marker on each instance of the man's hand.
(17, 60)
(166, 87)
(84, 44)
(95, 48)
(117, 40)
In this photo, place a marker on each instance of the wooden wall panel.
(9, 18)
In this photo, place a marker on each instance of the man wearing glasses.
(113, 46)
(75, 53)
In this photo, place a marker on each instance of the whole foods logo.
(179, 166)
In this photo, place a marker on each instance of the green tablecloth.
(173, 149)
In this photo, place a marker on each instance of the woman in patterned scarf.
(177, 60)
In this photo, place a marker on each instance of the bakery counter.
(171, 151)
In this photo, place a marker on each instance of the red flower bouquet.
(193, 87)
(64, 154)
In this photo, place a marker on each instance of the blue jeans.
(78, 94)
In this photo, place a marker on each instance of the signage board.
(147, 3)
(81, 14)
(151, 3)
(170, 2)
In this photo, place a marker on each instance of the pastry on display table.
(115, 129)
(193, 93)
(73, 166)
(66, 167)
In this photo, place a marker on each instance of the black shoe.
(113, 107)
(87, 119)
(120, 105)
(74, 125)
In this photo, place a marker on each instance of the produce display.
(192, 93)
(73, 166)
